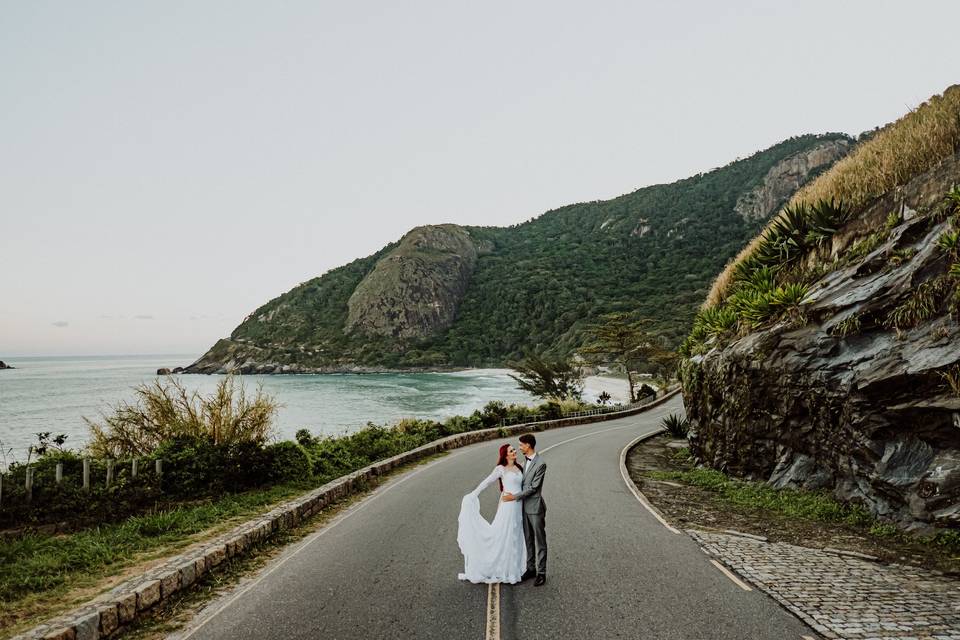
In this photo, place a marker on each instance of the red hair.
(502, 462)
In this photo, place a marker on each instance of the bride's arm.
(490, 479)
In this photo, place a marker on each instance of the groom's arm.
(535, 483)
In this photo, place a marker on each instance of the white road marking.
(633, 488)
(493, 611)
(737, 581)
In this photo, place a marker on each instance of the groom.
(534, 510)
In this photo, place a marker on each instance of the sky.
(167, 167)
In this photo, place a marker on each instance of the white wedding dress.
(493, 551)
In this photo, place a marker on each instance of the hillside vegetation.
(828, 354)
(890, 158)
(532, 286)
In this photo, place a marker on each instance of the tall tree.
(548, 378)
(623, 339)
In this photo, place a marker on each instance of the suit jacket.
(533, 474)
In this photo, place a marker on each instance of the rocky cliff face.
(861, 396)
(786, 177)
(414, 290)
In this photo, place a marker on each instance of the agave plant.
(716, 321)
(824, 219)
(955, 270)
(677, 425)
(787, 233)
(949, 241)
(754, 307)
(789, 295)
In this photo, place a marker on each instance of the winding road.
(386, 567)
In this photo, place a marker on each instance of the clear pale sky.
(167, 167)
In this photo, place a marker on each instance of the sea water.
(54, 394)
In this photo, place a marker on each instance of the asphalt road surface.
(387, 566)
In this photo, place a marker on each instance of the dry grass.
(164, 410)
(906, 148)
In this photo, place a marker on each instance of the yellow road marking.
(493, 611)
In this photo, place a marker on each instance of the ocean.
(55, 393)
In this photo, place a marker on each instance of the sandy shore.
(618, 388)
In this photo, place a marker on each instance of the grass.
(900, 151)
(37, 572)
(757, 495)
(847, 327)
(920, 306)
(42, 575)
(795, 503)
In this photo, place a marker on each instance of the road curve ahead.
(387, 566)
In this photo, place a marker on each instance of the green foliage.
(624, 339)
(788, 295)
(920, 305)
(548, 378)
(824, 219)
(863, 247)
(716, 321)
(846, 327)
(899, 256)
(770, 283)
(289, 461)
(38, 563)
(678, 426)
(545, 280)
(762, 497)
(646, 391)
(894, 218)
(949, 241)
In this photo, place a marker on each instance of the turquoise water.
(54, 394)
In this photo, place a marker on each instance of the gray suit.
(534, 514)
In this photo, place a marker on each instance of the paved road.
(387, 567)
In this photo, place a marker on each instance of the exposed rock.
(4, 365)
(163, 371)
(415, 289)
(870, 415)
(178, 370)
(785, 177)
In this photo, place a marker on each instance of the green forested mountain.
(528, 287)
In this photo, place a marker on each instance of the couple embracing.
(513, 547)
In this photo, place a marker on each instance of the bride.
(494, 551)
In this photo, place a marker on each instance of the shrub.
(289, 461)
(304, 438)
(677, 425)
(165, 410)
(646, 391)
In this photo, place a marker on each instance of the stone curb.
(712, 552)
(121, 605)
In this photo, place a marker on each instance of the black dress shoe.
(529, 573)
(541, 578)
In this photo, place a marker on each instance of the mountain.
(828, 354)
(455, 296)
